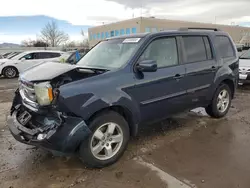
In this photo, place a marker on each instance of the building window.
(102, 36)
(94, 36)
(134, 30)
(154, 29)
(122, 32)
(128, 31)
(98, 36)
(147, 30)
(90, 37)
(112, 33)
(116, 33)
(107, 35)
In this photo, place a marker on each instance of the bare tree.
(85, 42)
(27, 43)
(52, 35)
(71, 44)
(39, 43)
(33, 43)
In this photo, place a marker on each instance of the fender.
(86, 97)
(87, 104)
(223, 73)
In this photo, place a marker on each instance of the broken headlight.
(44, 93)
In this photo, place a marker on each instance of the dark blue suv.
(92, 108)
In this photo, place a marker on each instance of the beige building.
(142, 24)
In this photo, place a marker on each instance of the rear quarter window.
(53, 55)
(224, 46)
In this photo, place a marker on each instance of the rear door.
(200, 67)
(49, 56)
(160, 93)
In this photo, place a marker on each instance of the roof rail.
(198, 28)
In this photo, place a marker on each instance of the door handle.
(178, 76)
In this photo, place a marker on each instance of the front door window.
(163, 51)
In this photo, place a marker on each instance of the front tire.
(221, 102)
(10, 72)
(108, 141)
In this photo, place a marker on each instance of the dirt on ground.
(188, 150)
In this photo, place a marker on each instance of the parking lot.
(188, 150)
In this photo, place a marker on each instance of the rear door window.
(195, 49)
(224, 46)
(47, 55)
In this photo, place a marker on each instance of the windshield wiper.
(94, 68)
(244, 57)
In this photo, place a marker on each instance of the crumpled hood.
(46, 71)
(244, 63)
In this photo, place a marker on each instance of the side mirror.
(23, 59)
(147, 66)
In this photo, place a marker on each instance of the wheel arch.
(212, 108)
(3, 69)
(229, 80)
(124, 112)
(231, 85)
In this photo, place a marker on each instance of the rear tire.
(10, 72)
(107, 142)
(221, 102)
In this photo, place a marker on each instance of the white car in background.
(244, 68)
(10, 68)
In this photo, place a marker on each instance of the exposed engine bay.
(74, 75)
(35, 120)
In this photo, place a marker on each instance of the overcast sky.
(95, 12)
(92, 12)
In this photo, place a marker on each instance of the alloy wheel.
(223, 101)
(10, 72)
(106, 141)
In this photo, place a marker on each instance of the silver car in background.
(244, 68)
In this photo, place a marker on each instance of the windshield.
(111, 54)
(246, 55)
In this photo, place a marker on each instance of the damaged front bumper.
(62, 134)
